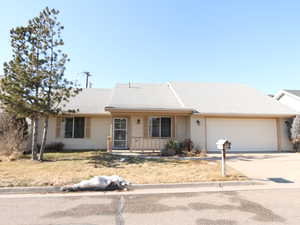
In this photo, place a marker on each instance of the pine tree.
(34, 85)
(55, 89)
(20, 85)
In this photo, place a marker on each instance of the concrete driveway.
(275, 167)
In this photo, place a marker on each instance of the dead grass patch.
(70, 167)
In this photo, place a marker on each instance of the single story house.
(140, 116)
(290, 98)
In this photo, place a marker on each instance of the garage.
(248, 135)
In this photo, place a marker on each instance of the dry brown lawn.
(72, 167)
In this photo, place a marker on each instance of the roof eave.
(258, 115)
(123, 109)
(86, 113)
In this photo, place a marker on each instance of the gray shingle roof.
(203, 98)
(143, 96)
(294, 92)
(227, 98)
(90, 101)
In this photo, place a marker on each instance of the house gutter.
(179, 110)
(256, 115)
(84, 114)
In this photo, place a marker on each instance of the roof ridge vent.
(175, 94)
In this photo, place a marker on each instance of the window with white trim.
(74, 127)
(160, 126)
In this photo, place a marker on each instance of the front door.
(120, 133)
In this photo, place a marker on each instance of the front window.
(160, 127)
(74, 127)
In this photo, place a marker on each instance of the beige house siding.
(137, 128)
(181, 128)
(286, 144)
(258, 134)
(99, 130)
(188, 127)
(198, 132)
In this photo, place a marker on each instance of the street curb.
(56, 189)
(29, 190)
(195, 184)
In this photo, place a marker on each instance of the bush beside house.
(184, 148)
(13, 136)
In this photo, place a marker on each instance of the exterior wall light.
(198, 122)
(138, 121)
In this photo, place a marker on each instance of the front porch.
(146, 132)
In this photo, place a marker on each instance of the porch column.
(129, 134)
(278, 131)
(109, 138)
(109, 144)
(174, 128)
(205, 133)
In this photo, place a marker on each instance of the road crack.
(119, 214)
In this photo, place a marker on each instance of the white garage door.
(244, 134)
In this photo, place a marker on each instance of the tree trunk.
(44, 139)
(34, 139)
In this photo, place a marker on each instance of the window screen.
(79, 127)
(155, 127)
(165, 127)
(68, 127)
(160, 126)
(74, 127)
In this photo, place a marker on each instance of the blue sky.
(252, 42)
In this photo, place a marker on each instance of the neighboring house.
(141, 116)
(290, 98)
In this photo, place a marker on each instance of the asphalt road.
(205, 208)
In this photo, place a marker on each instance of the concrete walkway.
(269, 167)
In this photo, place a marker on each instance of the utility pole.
(87, 75)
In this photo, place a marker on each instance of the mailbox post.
(223, 145)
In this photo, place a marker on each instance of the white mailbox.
(223, 144)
